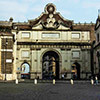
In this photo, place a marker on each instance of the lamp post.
(5, 56)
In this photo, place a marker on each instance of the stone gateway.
(51, 46)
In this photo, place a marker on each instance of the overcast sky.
(24, 10)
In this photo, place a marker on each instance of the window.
(8, 60)
(25, 34)
(75, 35)
(50, 35)
(75, 54)
(25, 54)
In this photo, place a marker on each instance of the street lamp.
(5, 56)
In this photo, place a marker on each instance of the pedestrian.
(75, 73)
(96, 80)
(62, 76)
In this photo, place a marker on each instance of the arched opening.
(76, 70)
(25, 71)
(50, 65)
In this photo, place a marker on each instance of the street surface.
(48, 91)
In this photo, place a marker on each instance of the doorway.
(25, 71)
(76, 70)
(50, 65)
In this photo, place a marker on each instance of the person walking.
(96, 80)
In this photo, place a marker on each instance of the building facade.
(52, 47)
(6, 50)
(97, 47)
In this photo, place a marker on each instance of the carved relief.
(50, 22)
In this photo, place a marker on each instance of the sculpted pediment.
(61, 27)
(39, 26)
(50, 19)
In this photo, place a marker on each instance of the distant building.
(97, 47)
(51, 47)
(6, 50)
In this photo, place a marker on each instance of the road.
(48, 91)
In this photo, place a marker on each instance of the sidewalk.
(46, 81)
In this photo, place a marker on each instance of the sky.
(24, 10)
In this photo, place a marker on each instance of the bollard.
(54, 81)
(92, 81)
(16, 81)
(35, 81)
(71, 81)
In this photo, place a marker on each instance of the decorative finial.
(50, 8)
(11, 19)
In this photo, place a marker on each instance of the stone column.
(34, 62)
(14, 55)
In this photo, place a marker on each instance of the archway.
(50, 65)
(76, 70)
(25, 71)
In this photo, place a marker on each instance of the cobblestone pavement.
(48, 91)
